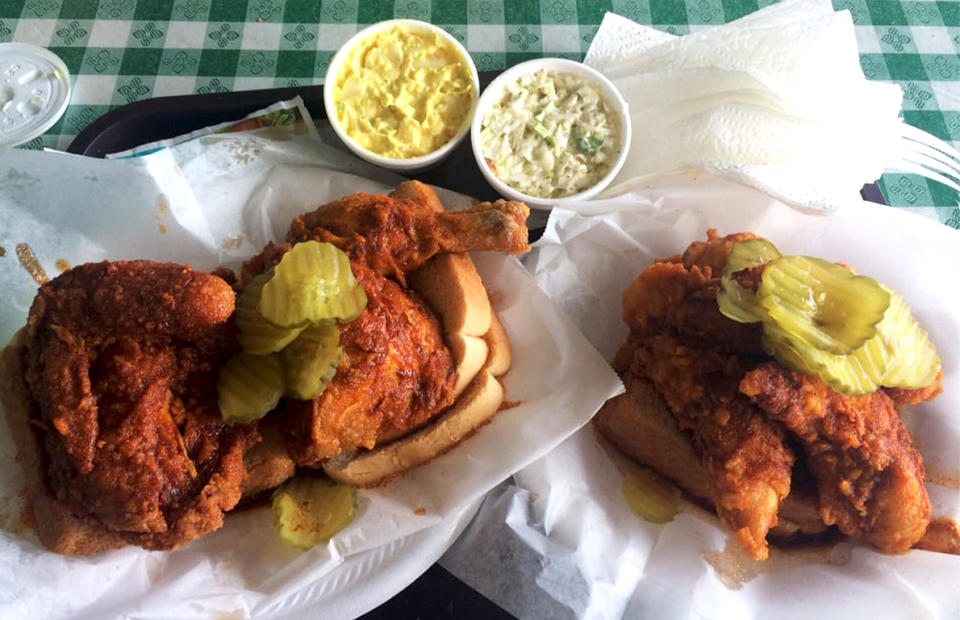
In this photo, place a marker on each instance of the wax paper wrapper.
(593, 556)
(217, 200)
(773, 100)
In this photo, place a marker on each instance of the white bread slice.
(268, 463)
(451, 286)
(501, 355)
(475, 407)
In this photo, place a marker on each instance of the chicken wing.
(869, 476)
(121, 362)
(395, 234)
(696, 357)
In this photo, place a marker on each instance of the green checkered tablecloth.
(120, 51)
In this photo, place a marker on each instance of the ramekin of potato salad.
(549, 131)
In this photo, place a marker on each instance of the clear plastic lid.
(34, 91)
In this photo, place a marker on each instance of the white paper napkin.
(776, 100)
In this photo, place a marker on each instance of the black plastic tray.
(167, 117)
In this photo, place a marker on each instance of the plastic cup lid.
(34, 92)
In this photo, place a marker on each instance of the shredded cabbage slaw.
(550, 135)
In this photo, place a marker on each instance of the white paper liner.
(602, 561)
(217, 200)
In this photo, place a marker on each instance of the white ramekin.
(399, 165)
(493, 93)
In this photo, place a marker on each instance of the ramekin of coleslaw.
(550, 131)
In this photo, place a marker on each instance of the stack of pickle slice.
(287, 319)
(820, 318)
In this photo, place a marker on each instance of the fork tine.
(916, 135)
(911, 167)
(931, 158)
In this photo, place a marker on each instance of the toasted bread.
(639, 424)
(268, 463)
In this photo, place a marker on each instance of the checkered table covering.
(120, 51)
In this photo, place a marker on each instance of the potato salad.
(550, 135)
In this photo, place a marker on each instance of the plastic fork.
(928, 156)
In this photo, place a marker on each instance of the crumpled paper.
(773, 100)
(217, 200)
(595, 557)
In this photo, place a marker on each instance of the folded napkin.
(776, 100)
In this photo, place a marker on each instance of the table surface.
(121, 51)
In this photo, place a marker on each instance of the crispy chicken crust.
(396, 371)
(121, 362)
(396, 234)
(741, 407)
(869, 476)
(696, 357)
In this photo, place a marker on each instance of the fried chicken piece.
(395, 234)
(869, 476)
(696, 357)
(903, 396)
(395, 374)
(121, 362)
(396, 371)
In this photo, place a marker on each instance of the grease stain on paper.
(31, 264)
(734, 569)
(160, 210)
(951, 480)
(15, 514)
(19, 178)
(232, 242)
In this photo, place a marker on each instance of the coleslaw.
(550, 135)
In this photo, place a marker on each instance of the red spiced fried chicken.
(695, 358)
(745, 414)
(869, 475)
(396, 371)
(120, 363)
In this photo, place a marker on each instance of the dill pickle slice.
(258, 335)
(899, 355)
(914, 362)
(310, 361)
(650, 497)
(820, 304)
(312, 283)
(735, 302)
(855, 374)
(310, 511)
(249, 387)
